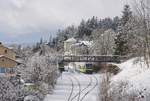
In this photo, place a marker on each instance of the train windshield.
(88, 66)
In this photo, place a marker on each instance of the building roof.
(85, 43)
(7, 48)
(78, 44)
(71, 40)
(88, 43)
(1, 56)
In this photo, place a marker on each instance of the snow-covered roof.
(78, 44)
(1, 56)
(88, 43)
(67, 53)
(7, 48)
(10, 47)
(71, 40)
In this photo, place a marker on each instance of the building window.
(5, 51)
(2, 70)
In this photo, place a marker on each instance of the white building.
(74, 47)
(67, 46)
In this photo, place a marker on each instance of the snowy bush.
(116, 92)
(10, 89)
(130, 84)
(104, 94)
(39, 72)
(31, 98)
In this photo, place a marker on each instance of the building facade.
(80, 49)
(7, 52)
(7, 60)
(74, 47)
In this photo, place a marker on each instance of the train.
(87, 68)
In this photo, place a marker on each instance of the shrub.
(96, 68)
(111, 68)
(117, 91)
(104, 88)
(10, 89)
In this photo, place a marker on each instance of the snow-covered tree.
(10, 89)
(40, 70)
(106, 23)
(65, 34)
(122, 35)
(104, 42)
(86, 27)
(115, 24)
(139, 33)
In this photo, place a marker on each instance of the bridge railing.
(92, 58)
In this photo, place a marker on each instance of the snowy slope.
(135, 73)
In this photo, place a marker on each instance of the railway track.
(71, 98)
(90, 90)
(82, 92)
(72, 88)
(79, 85)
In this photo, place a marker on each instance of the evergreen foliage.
(122, 36)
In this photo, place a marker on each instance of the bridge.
(92, 58)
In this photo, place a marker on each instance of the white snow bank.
(134, 72)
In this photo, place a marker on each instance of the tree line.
(94, 28)
(127, 35)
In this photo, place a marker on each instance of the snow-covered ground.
(136, 74)
(75, 86)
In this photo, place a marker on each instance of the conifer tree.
(122, 35)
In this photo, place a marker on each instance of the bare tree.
(140, 30)
(40, 70)
(104, 41)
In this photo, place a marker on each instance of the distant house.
(67, 46)
(7, 52)
(79, 49)
(74, 47)
(7, 60)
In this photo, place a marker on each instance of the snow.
(64, 86)
(136, 73)
(31, 98)
(87, 43)
(1, 56)
(67, 53)
(71, 40)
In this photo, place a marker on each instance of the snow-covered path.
(75, 87)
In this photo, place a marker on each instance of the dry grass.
(104, 88)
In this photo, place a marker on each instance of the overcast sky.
(24, 21)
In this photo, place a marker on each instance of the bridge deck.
(90, 58)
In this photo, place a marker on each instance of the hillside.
(134, 76)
